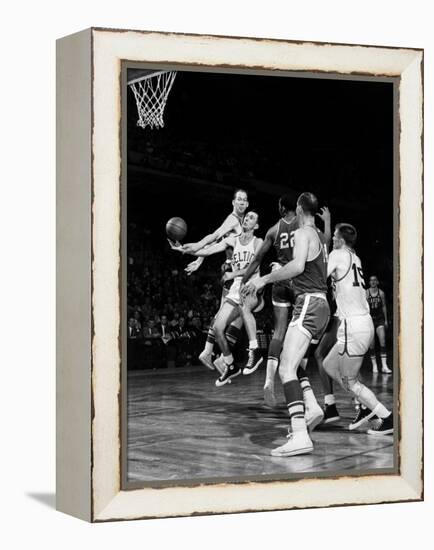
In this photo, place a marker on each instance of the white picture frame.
(88, 272)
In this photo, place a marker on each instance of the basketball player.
(308, 272)
(281, 237)
(245, 248)
(232, 226)
(331, 413)
(377, 308)
(355, 332)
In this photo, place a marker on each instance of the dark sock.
(294, 402)
(274, 349)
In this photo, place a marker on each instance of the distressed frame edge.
(413, 488)
(73, 275)
(113, 510)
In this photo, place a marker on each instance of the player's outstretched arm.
(227, 226)
(263, 248)
(214, 248)
(194, 265)
(175, 245)
(325, 215)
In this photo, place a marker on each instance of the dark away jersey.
(375, 305)
(314, 277)
(284, 241)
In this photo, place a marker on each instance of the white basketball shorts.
(355, 335)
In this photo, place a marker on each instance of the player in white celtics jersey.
(355, 332)
(245, 247)
(231, 226)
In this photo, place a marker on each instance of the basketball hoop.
(151, 94)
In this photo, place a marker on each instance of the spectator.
(134, 328)
(150, 333)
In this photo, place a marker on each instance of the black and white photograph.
(260, 266)
(173, 171)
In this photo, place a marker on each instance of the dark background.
(269, 135)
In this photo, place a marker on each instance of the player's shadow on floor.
(48, 499)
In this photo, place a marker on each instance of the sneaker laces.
(227, 369)
(358, 414)
(251, 358)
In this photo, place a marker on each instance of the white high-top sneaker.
(299, 443)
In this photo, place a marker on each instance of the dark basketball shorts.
(311, 315)
(379, 321)
(329, 336)
(282, 294)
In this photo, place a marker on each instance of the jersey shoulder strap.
(278, 228)
(347, 271)
(320, 243)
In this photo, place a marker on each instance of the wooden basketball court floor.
(180, 426)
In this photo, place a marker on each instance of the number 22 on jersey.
(284, 238)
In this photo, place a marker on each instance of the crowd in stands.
(193, 159)
(234, 161)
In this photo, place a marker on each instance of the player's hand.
(190, 248)
(228, 276)
(275, 266)
(324, 214)
(193, 266)
(252, 287)
(242, 286)
(245, 292)
(386, 325)
(175, 245)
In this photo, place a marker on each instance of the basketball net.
(151, 95)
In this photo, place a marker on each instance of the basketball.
(176, 229)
